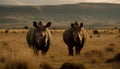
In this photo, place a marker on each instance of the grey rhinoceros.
(38, 37)
(75, 37)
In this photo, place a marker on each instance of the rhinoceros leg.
(78, 48)
(45, 50)
(35, 50)
(70, 49)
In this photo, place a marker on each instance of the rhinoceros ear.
(48, 24)
(35, 24)
(81, 24)
(72, 25)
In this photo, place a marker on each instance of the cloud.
(52, 2)
(48, 2)
(11, 2)
(101, 1)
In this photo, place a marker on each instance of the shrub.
(91, 36)
(2, 60)
(45, 66)
(7, 31)
(109, 49)
(112, 44)
(70, 65)
(95, 32)
(116, 58)
(4, 43)
(93, 53)
(118, 30)
(26, 27)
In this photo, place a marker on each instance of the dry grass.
(14, 52)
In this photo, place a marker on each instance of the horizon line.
(59, 4)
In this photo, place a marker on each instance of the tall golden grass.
(15, 53)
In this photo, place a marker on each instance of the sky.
(53, 2)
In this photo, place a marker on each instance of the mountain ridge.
(92, 14)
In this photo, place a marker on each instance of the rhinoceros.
(38, 37)
(75, 36)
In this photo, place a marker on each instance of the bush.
(70, 65)
(116, 58)
(45, 66)
(112, 44)
(109, 49)
(91, 36)
(95, 32)
(26, 27)
(7, 31)
(3, 60)
(118, 30)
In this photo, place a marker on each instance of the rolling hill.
(92, 14)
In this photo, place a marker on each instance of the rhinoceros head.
(41, 32)
(77, 32)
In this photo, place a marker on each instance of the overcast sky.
(52, 2)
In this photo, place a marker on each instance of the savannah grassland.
(15, 53)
